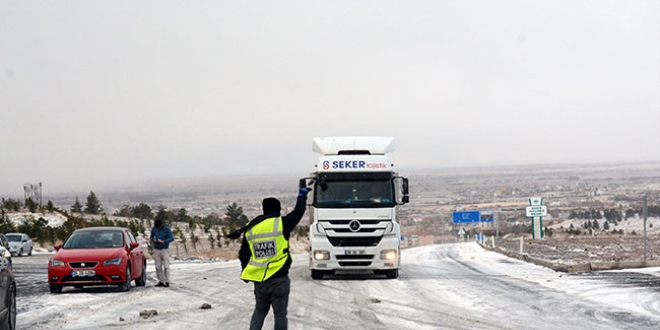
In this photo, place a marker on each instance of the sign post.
(536, 210)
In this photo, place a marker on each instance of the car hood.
(14, 244)
(89, 254)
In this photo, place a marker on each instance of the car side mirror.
(57, 247)
(133, 245)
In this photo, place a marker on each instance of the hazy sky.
(93, 92)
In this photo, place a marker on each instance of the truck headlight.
(388, 255)
(321, 255)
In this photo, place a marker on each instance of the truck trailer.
(354, 206)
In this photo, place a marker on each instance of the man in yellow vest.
(265, 259)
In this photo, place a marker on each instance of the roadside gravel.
(615, 251)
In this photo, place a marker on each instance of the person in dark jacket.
(161, 237)
(265, 259)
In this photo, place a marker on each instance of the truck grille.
(355, 263)
(346, 222)
(362, 230)
(354, 256)
(354, 241)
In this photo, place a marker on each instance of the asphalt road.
(31, 274)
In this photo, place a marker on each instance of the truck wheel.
(392, 273)
(317, 274)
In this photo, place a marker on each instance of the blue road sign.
(467, 216)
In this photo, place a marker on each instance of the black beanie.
(271, 205)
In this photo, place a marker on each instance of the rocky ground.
(567, 253)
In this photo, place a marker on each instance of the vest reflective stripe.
(268, 248)
(276, 231)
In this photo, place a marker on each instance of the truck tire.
(392, 273)
(317, 274)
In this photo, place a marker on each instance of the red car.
(98, 256)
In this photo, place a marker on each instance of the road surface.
(451, 286)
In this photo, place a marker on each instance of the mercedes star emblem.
(354, 225)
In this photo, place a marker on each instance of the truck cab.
(353, 207)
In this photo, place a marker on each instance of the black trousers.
(273, 292)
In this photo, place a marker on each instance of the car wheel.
(30, 253)
(20, 252)
(142, 281)
(126, 286)
(55, 289)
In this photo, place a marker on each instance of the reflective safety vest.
(269, 250)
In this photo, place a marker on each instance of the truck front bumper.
(325, 256)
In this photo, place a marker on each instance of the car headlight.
(56, 263)
(112, 262)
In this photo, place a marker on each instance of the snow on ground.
(629, 225)
(54, 219)
(472, 289)
(591, 290)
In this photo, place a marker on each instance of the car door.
(28, 243)
(24, 243)
(5, 282)
(136, 255)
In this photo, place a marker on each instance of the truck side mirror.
(305, 182)
(404, 190)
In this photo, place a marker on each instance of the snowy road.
(454, 286)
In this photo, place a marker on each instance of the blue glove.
(303, 192)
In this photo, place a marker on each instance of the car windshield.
(94, 240)
(13, 238)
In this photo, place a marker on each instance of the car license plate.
(82, 273)
(353, 252)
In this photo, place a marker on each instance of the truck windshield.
(354, 193)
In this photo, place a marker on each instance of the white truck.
(353, 207)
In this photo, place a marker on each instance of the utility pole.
(645, 214)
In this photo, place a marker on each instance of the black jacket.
(289, 222)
